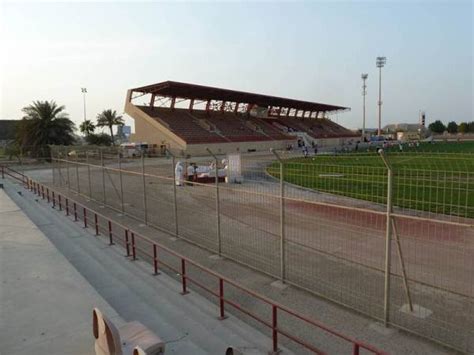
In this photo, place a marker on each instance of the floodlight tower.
(380, 64)
(364, 93)
(84, 92)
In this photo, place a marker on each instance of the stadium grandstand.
(188, 118)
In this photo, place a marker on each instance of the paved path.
(53, 272)
(45, 304)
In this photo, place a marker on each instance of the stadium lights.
(364, 93)
(84, 92)
(380, 62)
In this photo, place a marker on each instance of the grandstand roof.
(200, 92)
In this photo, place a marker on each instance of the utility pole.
(84, 92)
(364, 93)
(380, 62)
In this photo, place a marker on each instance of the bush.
(99, 139)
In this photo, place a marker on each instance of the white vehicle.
(132, 150)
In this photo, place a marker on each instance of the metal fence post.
(77, 173)
(282, 219)
(218, 209)
(59, 169)
(388, 239)
(103, 176)
(52, 166)
(144, 188)
(121, 181)
(402, 265)
(175, 202)
(89, 174)
(67, 171)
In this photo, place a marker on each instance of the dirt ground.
(330, 249)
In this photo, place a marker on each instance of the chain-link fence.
(389, 235)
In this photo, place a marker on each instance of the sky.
(308, 50)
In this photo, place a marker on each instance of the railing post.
(54, 200)
(275, 328)
(388, 238)
(42, 192)
(155, 259)
(96, 222)
(75, 212)
(127, 243)
(59, 203)
(355, 349)
(282, 219)
(103, 176)
(85, 217)
(67, 206)
(121, 182)
(183, 277)
(134, 251)
(221, 299)
(111, 240)
(218, 209)
(144, 188)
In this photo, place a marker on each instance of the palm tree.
(44, 123)
(109, 118)
(87, 127)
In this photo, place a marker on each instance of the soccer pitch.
(438, 178)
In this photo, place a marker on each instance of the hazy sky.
(305, 50)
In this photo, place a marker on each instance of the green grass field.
(425, 178)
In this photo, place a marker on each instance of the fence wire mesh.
(392, 240)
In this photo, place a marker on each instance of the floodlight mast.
(84, 92)
(380, 62)
(364, 93)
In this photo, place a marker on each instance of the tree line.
(452, 127)
(46, 123)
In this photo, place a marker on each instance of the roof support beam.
(173, 102)
(191, 105)
(222, 106)
(249, 108)
(152, 101)
(208, 105)
(236, 108)
(288, 112)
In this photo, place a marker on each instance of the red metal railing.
(130, 240)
